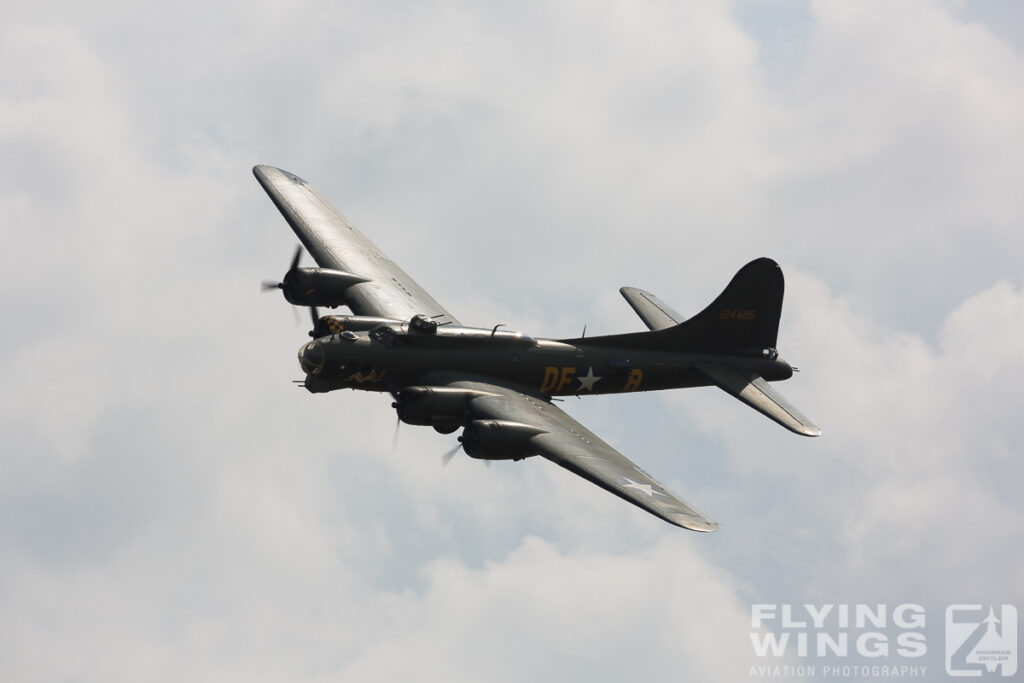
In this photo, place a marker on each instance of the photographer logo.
(980, 641)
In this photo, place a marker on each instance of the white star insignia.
(589, 381)
(642, 488)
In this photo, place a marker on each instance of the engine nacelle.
(435, 406)
(499, 439)
(318, 286)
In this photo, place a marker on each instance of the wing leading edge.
(569, 444)
(335, 243)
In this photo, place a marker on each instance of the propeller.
(268, 285)
(315, 315)
(447, 457)
(394, 437)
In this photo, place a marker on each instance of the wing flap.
(751, 388)
(569, 444)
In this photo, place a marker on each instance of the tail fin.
(744, 319)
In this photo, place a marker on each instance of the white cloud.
(915, 444)
(171, 508)
(542, 613)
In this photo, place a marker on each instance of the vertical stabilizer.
(743, 320)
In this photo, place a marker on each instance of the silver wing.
(566, 442)
(335, 243)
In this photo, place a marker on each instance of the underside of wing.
(561, 439)
(751, 388)
(334, 243)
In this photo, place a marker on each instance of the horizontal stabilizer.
(751, 388)
(655, 313)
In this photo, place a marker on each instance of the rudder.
(743, 319)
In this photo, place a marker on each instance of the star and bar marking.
(556, 379)
(589, 381)
(645, 489)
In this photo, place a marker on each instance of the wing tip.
(266, 174)
(693, 523)
(799, 427)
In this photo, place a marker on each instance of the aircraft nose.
(311, 358)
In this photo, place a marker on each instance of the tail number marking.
(737, 314)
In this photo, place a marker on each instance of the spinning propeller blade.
(447, 457)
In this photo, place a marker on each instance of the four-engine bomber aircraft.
(497, 385)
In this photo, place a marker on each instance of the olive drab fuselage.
(392, 356)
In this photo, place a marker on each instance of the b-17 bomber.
(497, 385)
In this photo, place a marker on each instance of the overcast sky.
(172, 508)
